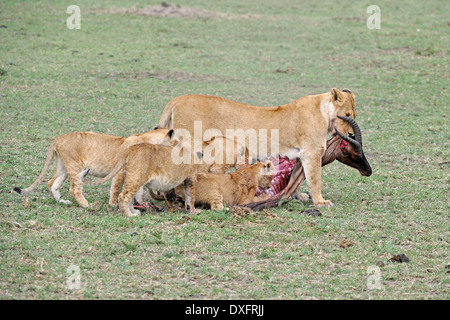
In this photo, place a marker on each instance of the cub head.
(266, 175)
(244, 158)
(167, 137)
(344, 101)
(157, 136)
(221, 150)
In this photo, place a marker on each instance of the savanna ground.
(116, 74)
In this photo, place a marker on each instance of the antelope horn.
(355, 127)
(355, 143)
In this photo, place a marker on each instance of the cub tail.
(120, 163)
(50, 155)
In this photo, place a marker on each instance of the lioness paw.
(325, 203)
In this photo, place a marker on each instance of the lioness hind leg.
(76, 190)
(311, 162)
(125, 201)
(139, 196)
(57, 180)
(116, 187)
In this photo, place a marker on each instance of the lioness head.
(344, 101)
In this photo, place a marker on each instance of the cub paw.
(300, 196)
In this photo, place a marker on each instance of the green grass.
(116, 74)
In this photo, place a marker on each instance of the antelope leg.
(296, 179)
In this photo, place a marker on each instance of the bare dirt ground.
(174, 11)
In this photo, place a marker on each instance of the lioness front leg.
(312, 166)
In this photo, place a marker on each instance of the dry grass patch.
(175, 11)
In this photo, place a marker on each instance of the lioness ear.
(349, 91)
(336, 95)
(170, 133)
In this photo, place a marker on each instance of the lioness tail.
(166, 117)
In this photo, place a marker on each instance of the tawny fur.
(219, 156)
(236, 188)
(302, 125)
(152, 165)
(80, 153)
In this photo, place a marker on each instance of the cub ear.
(170, 133)
(268, 165)
(336, 95)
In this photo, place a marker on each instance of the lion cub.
(236, 188)
(154, 166)
(220, 154)
(80, 153)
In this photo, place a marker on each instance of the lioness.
(236, 188)
(80, 153)
(152, 165)
(298, 129)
